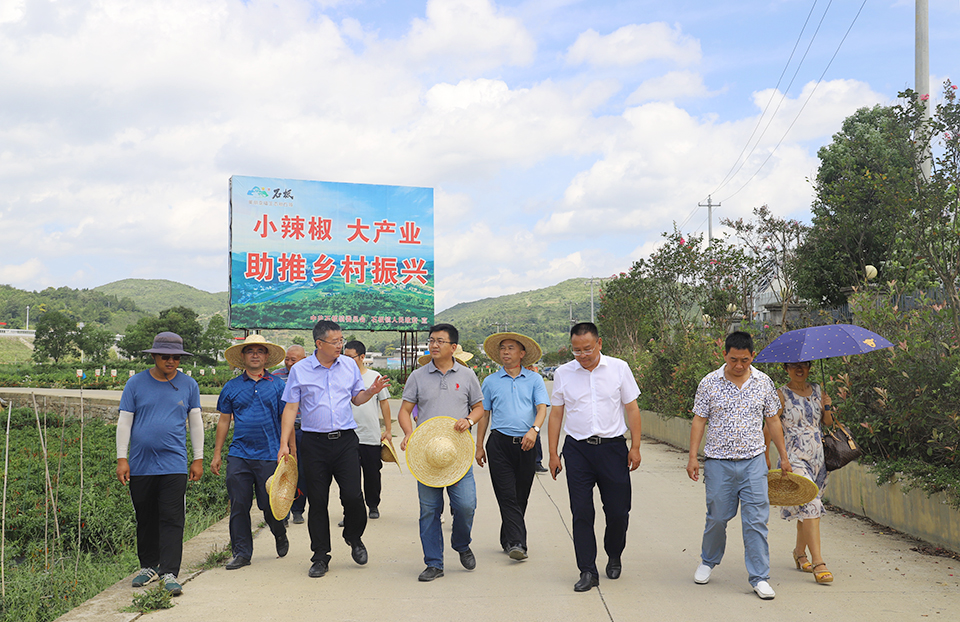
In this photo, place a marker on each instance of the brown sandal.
(824, 576)
(805, 565)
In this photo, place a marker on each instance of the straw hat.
(389, 454)
(790, 489)
(438, 455)
(491, 345)
(460, 354)
(283, 493)
(234, 354)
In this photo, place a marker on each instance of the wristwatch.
(536, 429)
(469, 421)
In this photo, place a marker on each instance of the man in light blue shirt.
(323, 387)
(515, 404)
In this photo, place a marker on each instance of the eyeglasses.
(436, 342)
(259, 351)
(167, 357)
(583, 352)
(338, 344)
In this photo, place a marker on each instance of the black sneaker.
(298, 518)
(171, 584)
(374, 513)
(146, 575)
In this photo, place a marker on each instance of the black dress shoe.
(430, 574)
(614, 568)
(540, 468)
(587, 581)
(237, 562)
(374, 513)
(283, 545)
(468, 560)
(318, 569)
(358, 552)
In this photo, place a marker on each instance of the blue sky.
(561, 137)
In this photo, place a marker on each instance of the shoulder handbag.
(839, 448)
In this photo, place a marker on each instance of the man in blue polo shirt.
(515, 404)
(322, 387)
(253, 401)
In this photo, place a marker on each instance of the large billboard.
(358, 254)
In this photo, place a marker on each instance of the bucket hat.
(167, 343)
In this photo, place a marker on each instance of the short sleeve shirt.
(368, 415)
(512, 401)
(158, 438)
(448, 394)
(256, 406)
(324, 393)
(735, 414)
(593, 401)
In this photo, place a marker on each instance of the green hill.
(155, 295)
(543, 314)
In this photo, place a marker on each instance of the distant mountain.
(155, 295)
(543, 314)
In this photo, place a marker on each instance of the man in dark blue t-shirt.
(252, 400)
(154, 409)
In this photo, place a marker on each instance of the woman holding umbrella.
(805, 407)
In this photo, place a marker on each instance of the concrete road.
(878, 576)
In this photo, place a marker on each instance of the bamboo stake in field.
(76, 568)
(3, 521)
(46, 469)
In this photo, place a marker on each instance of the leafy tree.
(54, 337)
(773, 244)
(853, 224)
(628, 310)
(216, 338)
(931, 207)
(95, 342)
(179, 320)
(299, 340)
(470, 345)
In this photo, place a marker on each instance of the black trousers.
(245, 480)
(512, 473)
(325, 458)
(159, 502)
(370, 465)
(604, 466)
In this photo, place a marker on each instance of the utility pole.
(709, 205)
(591, 281)
(570, 304)
(922, 69)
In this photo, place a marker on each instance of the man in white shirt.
(368, 417)
(592, 397)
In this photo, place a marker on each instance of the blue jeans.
(463, 501)
(729, 483)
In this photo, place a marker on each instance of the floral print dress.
(801, 432)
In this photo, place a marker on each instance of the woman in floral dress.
(805, 407)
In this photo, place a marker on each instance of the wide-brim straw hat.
(167, 343)
(389, 454)
(460, 354)
(491, 345)
(790, 489)
(282, 487)
(438, 455)
(275, 353)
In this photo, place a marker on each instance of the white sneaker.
(702, 575)
(764, 590)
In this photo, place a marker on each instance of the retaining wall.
(854, 489)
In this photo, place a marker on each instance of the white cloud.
(670, 87)
(32, 274)
(472, 35)
(634, 44)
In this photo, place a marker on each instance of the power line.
(733, 172)
(807, 101)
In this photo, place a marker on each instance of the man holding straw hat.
(253, 401)
(515, 406)
(322, 387)
(443, 388)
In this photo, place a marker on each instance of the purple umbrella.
(821, 342)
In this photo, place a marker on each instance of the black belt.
(329, 435)
(517, 440)
(600, 440)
